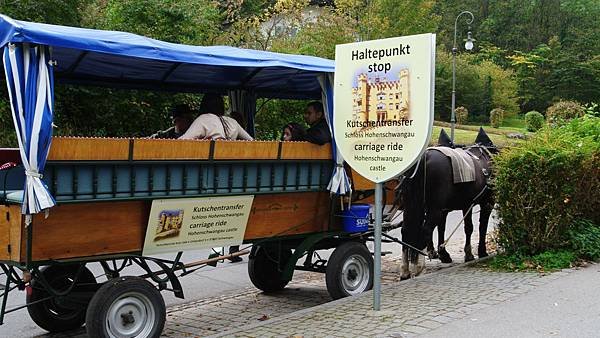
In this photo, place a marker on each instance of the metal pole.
(454, 50)
(377, 254)
(452, 113)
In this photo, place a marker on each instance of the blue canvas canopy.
(35, 54)
(98, 57)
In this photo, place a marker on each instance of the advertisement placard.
(383, 103)
(196, 223)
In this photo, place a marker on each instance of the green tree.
(179, 21)
(61, 12)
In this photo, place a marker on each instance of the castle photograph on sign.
(169, 224)
(377, 100)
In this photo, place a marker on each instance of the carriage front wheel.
(126, 307)
(349, 270)
(265, 267)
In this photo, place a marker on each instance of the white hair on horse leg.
(420, 265)
(404, 271)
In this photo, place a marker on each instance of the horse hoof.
(469, 258)
(433, 254)
(482, 254)
(403, 277)
(445, 258)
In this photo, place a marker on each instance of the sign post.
(383, 112)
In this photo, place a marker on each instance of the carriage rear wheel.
(266, 268)
(126, 307)
(61, 313)
(349, 270)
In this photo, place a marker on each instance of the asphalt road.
(208, 281)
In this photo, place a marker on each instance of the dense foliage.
(528, 54)
(564, 111)
(534, 120)
(546, 185)
(496, 117)
(462, 114)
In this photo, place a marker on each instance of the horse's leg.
(420, 265)
(430, 249)
(404, 273)
(444, 255)
(484, 218)
(468, 233)
(434, 218)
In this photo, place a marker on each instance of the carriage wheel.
(349, 270)
(265, 268)
(59, 313)
(126, 307)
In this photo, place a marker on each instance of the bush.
(547, 183)
(585, 239)
(496, 117)
(564, 111)
(534, 120)
(461, 114)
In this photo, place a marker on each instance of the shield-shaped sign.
(383, 103)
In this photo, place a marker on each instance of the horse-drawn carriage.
(72, 201)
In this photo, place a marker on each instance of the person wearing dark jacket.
(319, 130)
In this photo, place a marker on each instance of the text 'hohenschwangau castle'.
(381, 100)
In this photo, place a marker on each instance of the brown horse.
(428, 193)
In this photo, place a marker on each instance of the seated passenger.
(293, 132)
(319, 130)
(182, 117)
(212, 125)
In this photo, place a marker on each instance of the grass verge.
(546, 261)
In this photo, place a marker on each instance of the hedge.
(544, 186)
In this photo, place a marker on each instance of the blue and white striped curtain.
(339, 183)
(29, 78)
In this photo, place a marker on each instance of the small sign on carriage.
(196, 223)
(383, 104)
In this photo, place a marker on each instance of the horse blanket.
(463, 168)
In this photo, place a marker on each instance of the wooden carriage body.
(104, 188)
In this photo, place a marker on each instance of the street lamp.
(468, 46)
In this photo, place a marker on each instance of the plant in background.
(592, 109)
(585, 239)
(496, 117)
(462, 114)
(534, 120)
(563, 111)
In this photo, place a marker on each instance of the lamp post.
(468, 46)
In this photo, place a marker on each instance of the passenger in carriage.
(319, 130)
(212, 124)
(182, 116)
(293, 132)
